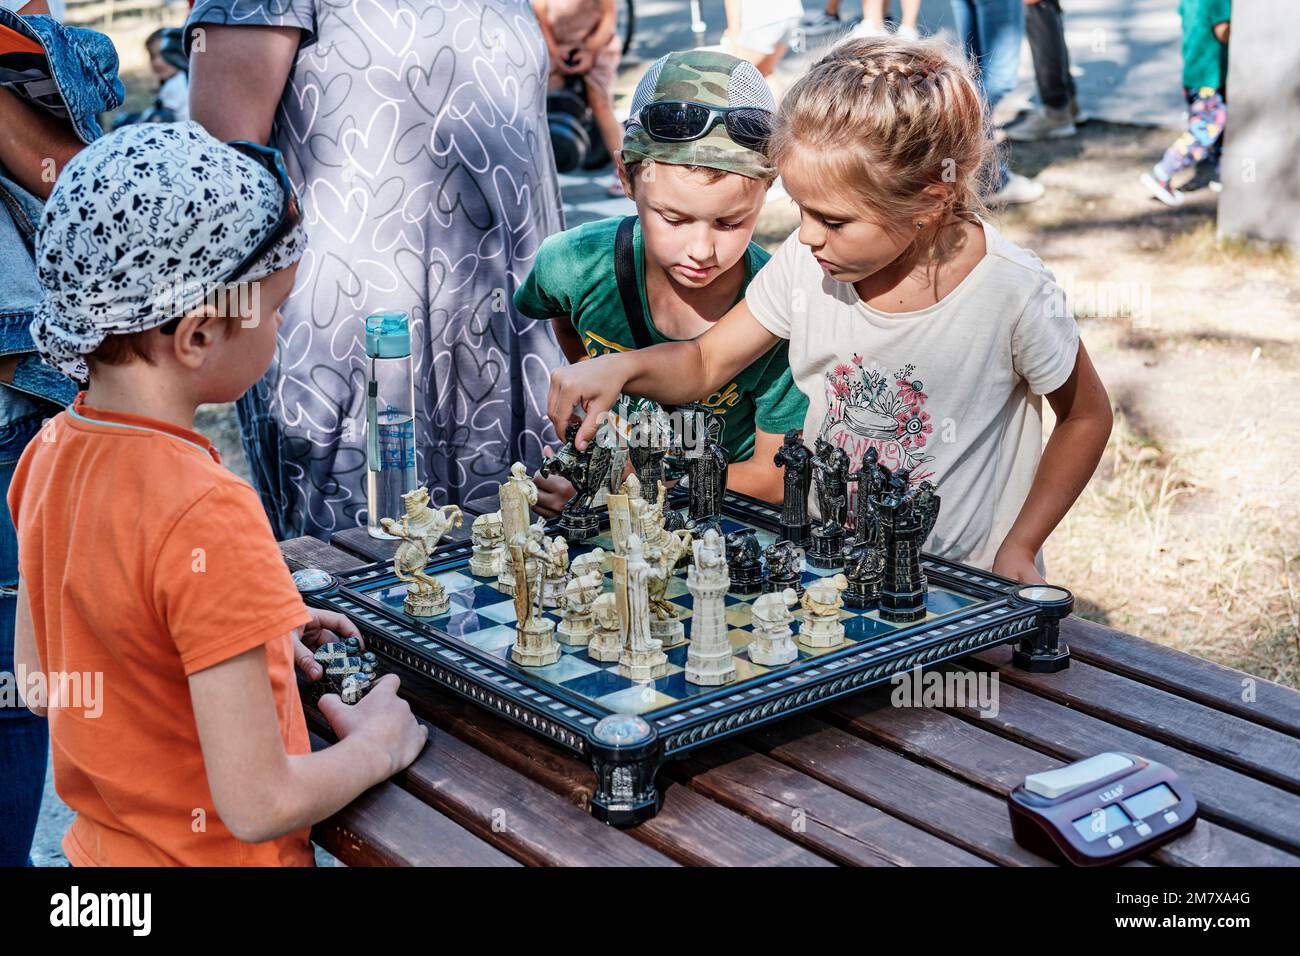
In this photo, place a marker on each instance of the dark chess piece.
(907, 517)
(587, 471)
(744, 562)
(864, 566)
(706, 471)
(784, 567)
(831, 471)
(649, 441)
(797, 462)
(871, 480)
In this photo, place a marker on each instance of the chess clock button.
(1142, 829)
(1115, 842)
(1171, 816)
(1054, 783)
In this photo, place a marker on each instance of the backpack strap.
(625, 273)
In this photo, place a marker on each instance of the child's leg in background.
(1207, 114)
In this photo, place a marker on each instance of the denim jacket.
(82, 66)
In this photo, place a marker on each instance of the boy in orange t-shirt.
(157, 623)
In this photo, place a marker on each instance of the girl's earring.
(920, 225)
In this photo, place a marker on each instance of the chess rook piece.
(797, 462)
(773, 642)
(535, 644)
(577, 609)
(710, 660)
(420, 529)
(643, 658)
(488, 544)
(706, 472)
(784, 567)
(907, 517)
(518, 495)
(821, 603)
(665, 623)
(744, 562)
(606, 643)
(587, 471)
(831, 471)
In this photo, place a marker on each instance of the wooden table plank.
(1223, 688)
(690, 828)
(1227, 796)
(309, 552)
(940, 804)
(968, 750)
(1261, 752)
(386, 826)
(828, 821)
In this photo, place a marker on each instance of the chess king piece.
(643, 658)
(535, 644)
(587, 471)
(797, 462)
(577, 609)
(706, 472)
(518, 495)
(420, 529)
(745, 562)
(773, 641)
(907, 516)
(488, 542)
(831, 470)
(665, 624)
(606, 642)
(870, 480)
(784, 567)
(710, 660)
(557, 571)
(821, 603)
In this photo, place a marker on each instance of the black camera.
(575, 140)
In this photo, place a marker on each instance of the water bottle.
(390, 417)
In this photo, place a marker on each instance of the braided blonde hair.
(884, 118)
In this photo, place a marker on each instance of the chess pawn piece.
(606, 642)
(420, 529)
(784, 567)
(744, 562)
(821, 603)
(488, 543)
(594, 560)
(643, 657)
(518, 495)
(710, 660)
(796, 459)
(556, 577)
(535, 644)
(577, 624)
(773, 642)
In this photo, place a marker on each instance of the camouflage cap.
(713, 79)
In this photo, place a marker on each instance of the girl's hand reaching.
(594, 386)
(1017, 562)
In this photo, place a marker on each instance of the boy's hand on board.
(382, 719)
(553, 492)
(324, 626)
(594, 385)
(1017, 562)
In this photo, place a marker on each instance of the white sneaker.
(1017, 191)
(865, 29)
(908, 33)
(1045, 123)
(1162, 190)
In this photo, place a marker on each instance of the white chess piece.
(710, 660)
(822, 601)
(773, 641)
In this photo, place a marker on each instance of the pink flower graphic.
(910, 392)
(843, 371)
(913, 426)
(857, 359)
(840, 387)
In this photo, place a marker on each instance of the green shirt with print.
(1205, 59)
(573, 275)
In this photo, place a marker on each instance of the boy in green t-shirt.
(1206, 24)
(699, 175)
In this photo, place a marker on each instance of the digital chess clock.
(1106, 809)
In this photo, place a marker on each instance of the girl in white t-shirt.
(915, 328)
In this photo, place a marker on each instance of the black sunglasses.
(680, 121)
(290, 213)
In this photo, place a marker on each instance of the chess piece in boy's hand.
(380, 727)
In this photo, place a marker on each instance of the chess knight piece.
(773, 641)
(577, 609)
(665, 626)
(710, 660)
(706, 472)
(797, 462)
(821, 603)
(643, 658)
(421, 528)
(518, 495)
(587, 471)
(535, 644)
(907, 517)
(831, 467)
(864, 566)
(745, 562)
(488, 541)
(784, 567)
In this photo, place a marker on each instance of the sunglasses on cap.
(680, 121)
(290, 213)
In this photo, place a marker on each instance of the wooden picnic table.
(859, 782)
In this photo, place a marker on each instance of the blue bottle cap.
(388, 334)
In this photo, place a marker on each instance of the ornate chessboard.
(627, 727)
